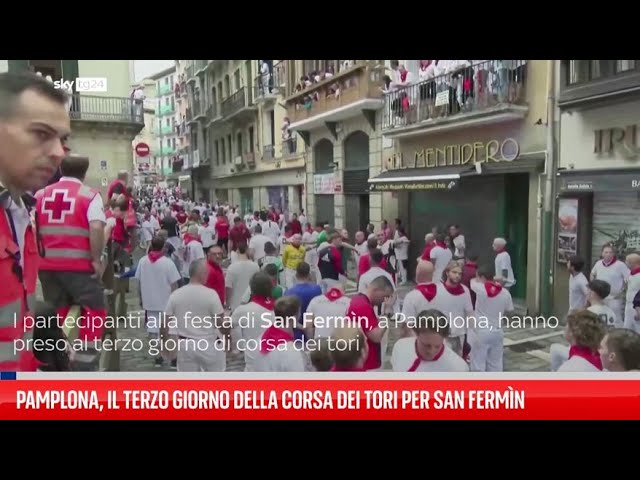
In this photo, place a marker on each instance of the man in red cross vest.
(70, 220)
(34, 125)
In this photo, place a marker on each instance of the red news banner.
(320, 399)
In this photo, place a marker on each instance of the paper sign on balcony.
(324, 184)
(442, 98)
(196, 159)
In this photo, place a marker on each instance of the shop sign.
(414, 186)
(624, 139)
(325, 184)
(506, 150)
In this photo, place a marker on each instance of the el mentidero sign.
(506, 150)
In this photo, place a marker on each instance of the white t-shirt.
(440, 257)
(207, 234)
(457, 307)
(155, 282)
(415, 302)
(606, 315)
(192, 252)
(237, 279)
(577, 364)
(404, 355)
(283, 359)
(616, 274)
(633, 287)
(362, 249)
(578, 291)
(197, 311)
(309, 242)
(502, 263)
(147, 231)
(327, 314)
(490, 310)
(257, 243)
(402, 248)
(253, 320)
(271, 230)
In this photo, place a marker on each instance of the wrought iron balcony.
(238, 104)
(91, 108)
(356, 89)
(490, 90)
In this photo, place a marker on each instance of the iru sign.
(83, 84)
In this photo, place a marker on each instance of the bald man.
(423, 297)
(631, 320)
(429, 243)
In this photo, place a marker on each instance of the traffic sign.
(142, 150)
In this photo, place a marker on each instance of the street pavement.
(526, 343)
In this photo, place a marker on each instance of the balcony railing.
(188, 114)
(167, 151)
(471, 88)
(359, 82)
(212, 112)
(165, 130)
(289, 147)
(165, 89)
(268, 153)
(106, 109)
(167, 109)
(235, 102)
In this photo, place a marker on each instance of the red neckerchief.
(454, 289)
(188, 238)
(426, 255)
(493, 289)
(441, 245)
(471, 264)
(155, 255)
(347, 369)
(272, 337)
(265, 302)
(635, 271)
(610, 263)
(416, 363)
(428, 290)
(334, 294)
(583, 352)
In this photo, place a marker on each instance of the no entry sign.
(142, 150)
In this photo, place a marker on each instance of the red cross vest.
(61, 215)
(17, 299)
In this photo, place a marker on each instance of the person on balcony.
(265, 77)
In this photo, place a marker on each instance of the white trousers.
(487, 350)
(559, 355)
(289, 277)
(617, 305)
(202, 355)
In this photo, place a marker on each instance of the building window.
(230, 147)
(217, 151)
(581, 71)
(251, 139)
(239, 143)
(223, 151)
(236, 80)
(173, 103)
(173, 142)
(166, 80)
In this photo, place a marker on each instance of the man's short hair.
(261, 284)
(271, 270)
(75, 166)
(625, 344)
(376, 256)
(196, 267)
(601, 288)
(303, 270)
(372, 243)
(242, 248)
(382, 282)
(157, 243)
(432, 321)
(14, 84)
(287, 307)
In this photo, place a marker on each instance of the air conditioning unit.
(238, 160)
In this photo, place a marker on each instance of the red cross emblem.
(58, 206)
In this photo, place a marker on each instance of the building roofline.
(163, 73)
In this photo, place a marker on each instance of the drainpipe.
(546, 260)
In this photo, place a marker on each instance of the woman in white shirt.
(401, 244)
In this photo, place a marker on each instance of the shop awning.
(599, 180)
(439, 178)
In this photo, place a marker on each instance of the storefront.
(246, 200)
(598, 186)
(324, 188)
(486, 182)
